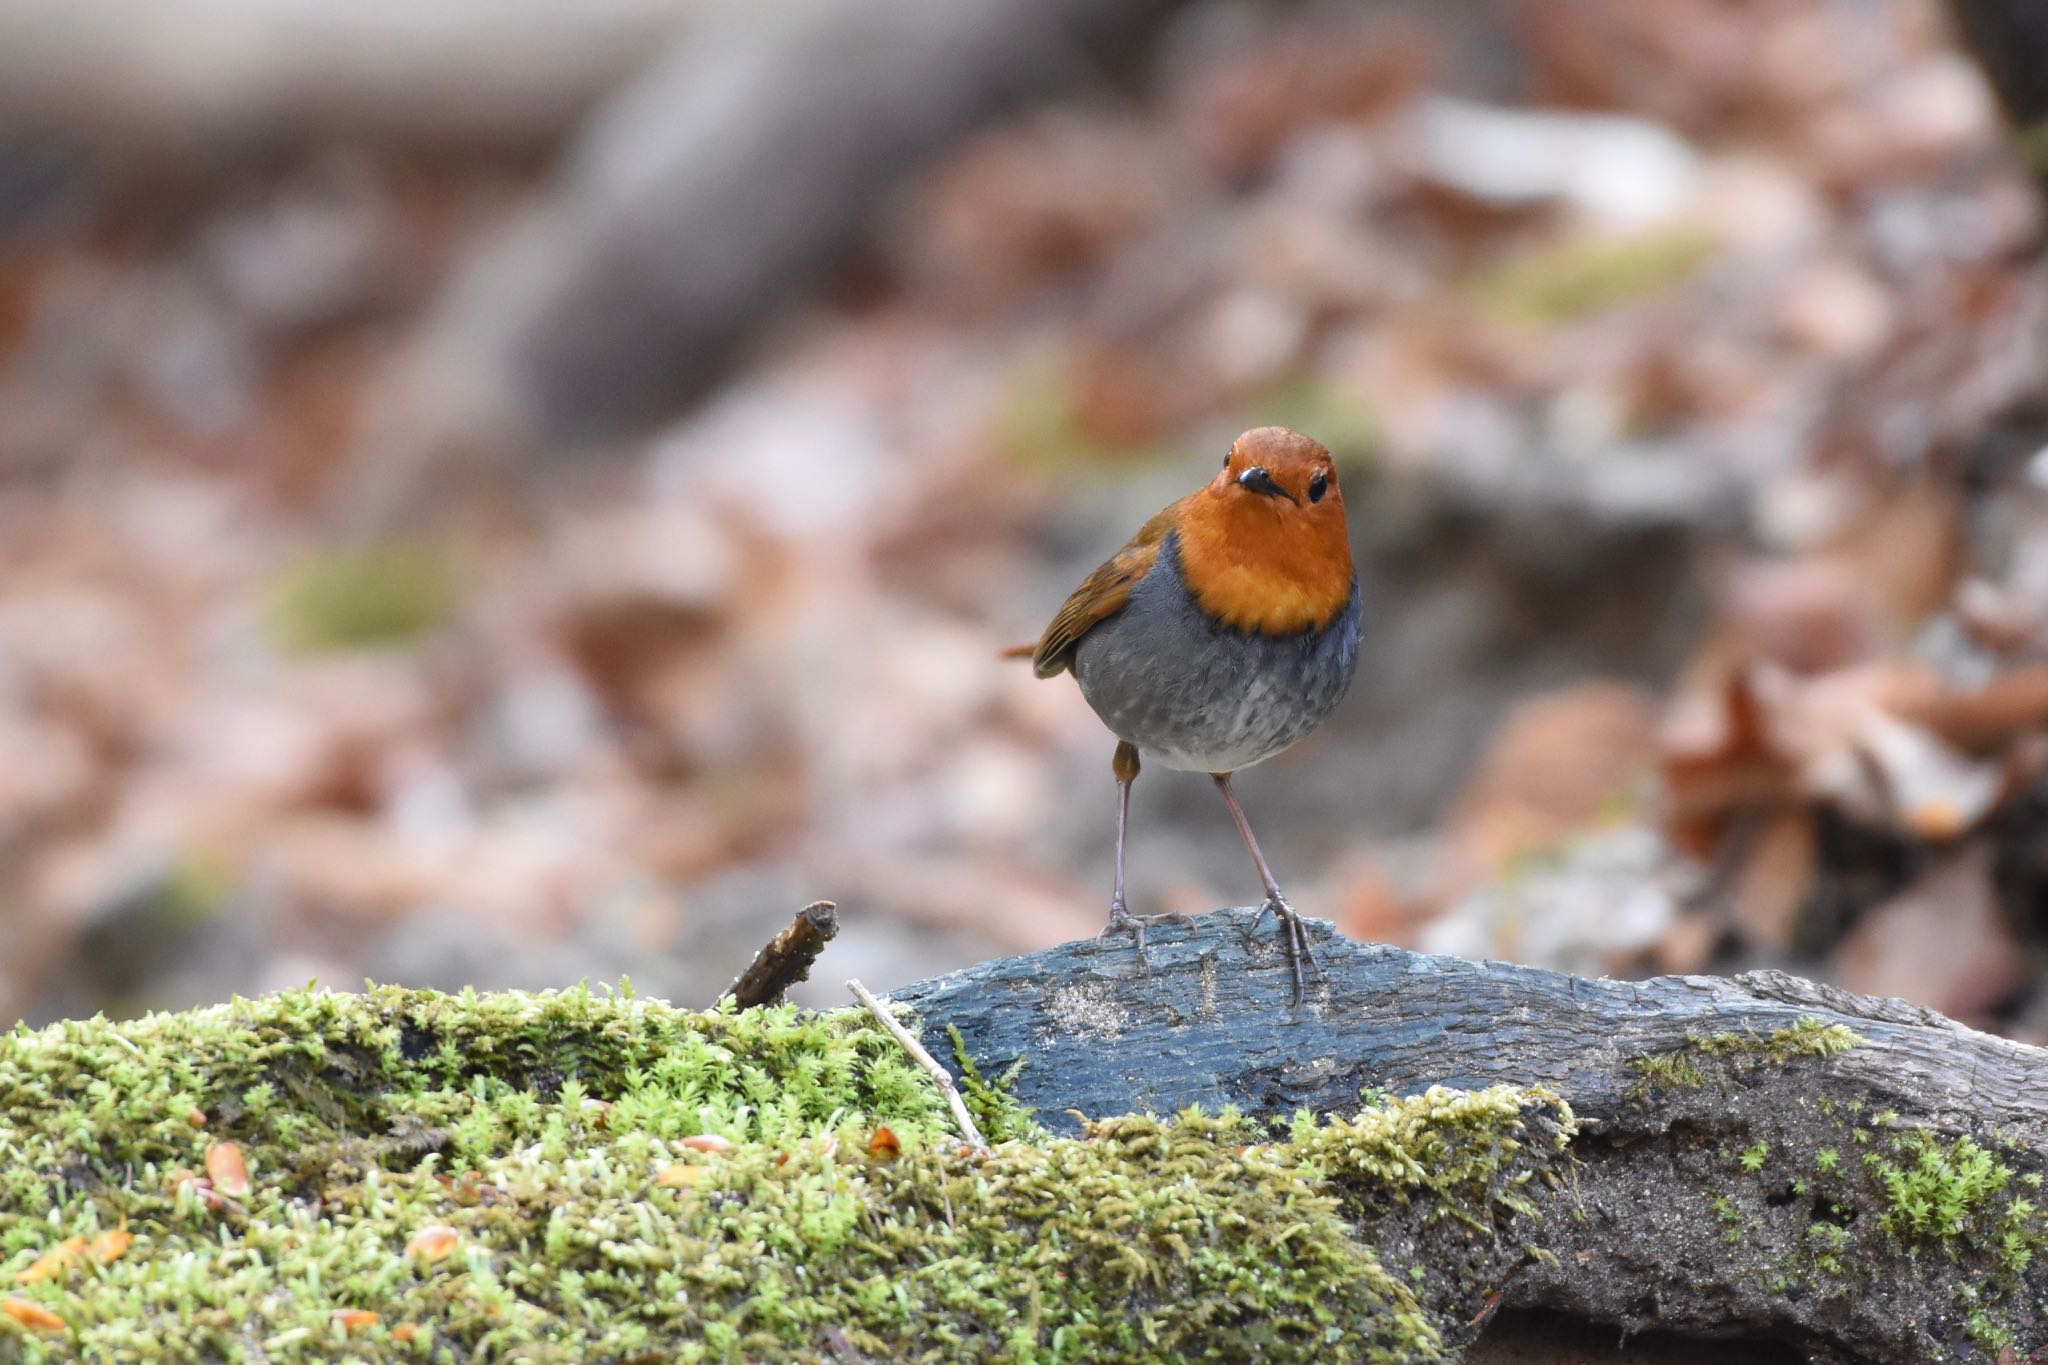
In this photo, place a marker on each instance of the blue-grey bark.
(1211, 1025)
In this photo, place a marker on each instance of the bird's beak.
(1259, 481)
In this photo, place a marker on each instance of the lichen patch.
(1086, 1009)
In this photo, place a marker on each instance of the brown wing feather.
(1102, 594)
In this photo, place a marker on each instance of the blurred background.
(496, 492)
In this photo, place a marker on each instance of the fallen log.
(1429, 1160)
(1757, 1158)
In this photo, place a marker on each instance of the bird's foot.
(1122, 921)
(1295, 933)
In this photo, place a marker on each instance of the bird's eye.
(1318, 484)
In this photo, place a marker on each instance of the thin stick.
(927, 1062)
(787, 958)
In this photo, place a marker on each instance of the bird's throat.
(1270, 568)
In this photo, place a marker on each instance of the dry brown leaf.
(1370, 907)
(1941, 942)
(708, 1142)
(1557, 762)
(1985, 719)
(52, 1263)
(1685, 948)
(1837, 738)
(1032, 201)
(110, 1245)
(1905, 552)
(227, 1169)
(1244, 107)
(354, 1319)
(884, 1145)
(33, 1316)
(1928, 789)
(436, 1242)
(679, 1175)
(1719, 757)
(1810, 615)
(1776, 879)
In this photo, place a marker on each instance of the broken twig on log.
(925, 1060)
(787, 958)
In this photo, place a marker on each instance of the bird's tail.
(1019, 651)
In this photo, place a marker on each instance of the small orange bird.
(1222, 633)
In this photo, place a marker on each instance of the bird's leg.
(1295, 932)
(1121, 920)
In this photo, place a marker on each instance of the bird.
(1225, 630)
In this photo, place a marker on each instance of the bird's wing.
(1102, 594)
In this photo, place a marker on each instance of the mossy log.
(1422, 1153)
(1758, 1157)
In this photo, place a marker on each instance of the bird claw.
(1295, 933)
(1122, 921)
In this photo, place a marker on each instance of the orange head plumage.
(1263, 545)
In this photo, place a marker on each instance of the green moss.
(996, 1112)
(1936, 1193)
(1668, 1070)
(1923, 1213)
(1730, 1217)
(1806, 1038)
(546, 1133)
(1679, 1068)
(1959, 1198)
(372, 595)
(1993, 1336)
(1575, 278)
(1457, 1147)
(1826, 1241)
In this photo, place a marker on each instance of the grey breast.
(1203, 697)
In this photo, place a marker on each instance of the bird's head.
(1264, 545)
(1276, 470)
